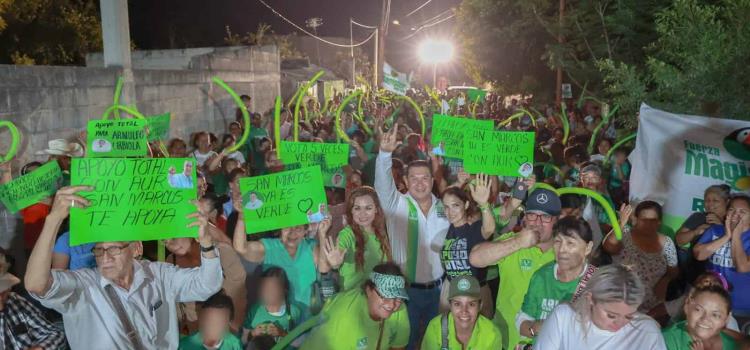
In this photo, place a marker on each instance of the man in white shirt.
(145, 292)
(417, 226)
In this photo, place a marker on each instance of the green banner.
(29, 189)
(117, 138)
(505, 153)
(134, 199)
(330, 155)
(158, 127)
(395, 81)
(284, 199)
(476, 95)
(448, 134)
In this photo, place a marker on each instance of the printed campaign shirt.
(546, 291)
(721, 261)
(458, 244)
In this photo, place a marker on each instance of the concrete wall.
(47, 102)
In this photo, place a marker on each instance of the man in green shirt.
(518, 256)
(367, 318)
(213, 332)
(463, 328)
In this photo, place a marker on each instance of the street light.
(435, 51)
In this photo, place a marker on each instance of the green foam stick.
(617, 145)
(277, 126)
(294, 334)
(474, 107)
(116, 99)
(603, 202)
(344, 103)
(416, 108)
(126, 109)
(518, 115)
(550, 165)
(583, 94)
(566, 124)
(243, 109)
(302, 94)
(604, 121)
(363, 124)
(15, 139)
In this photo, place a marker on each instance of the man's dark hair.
(418, 164)
(570, 200)
(220, 301)
(245, 97)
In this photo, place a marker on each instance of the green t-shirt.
(545, 292)
(676, 337)
(195, 342)
(221, 185)
(484, 336)
(348, 273)
(258, 315)
(516, 271)
(347, 326)
(300, 270)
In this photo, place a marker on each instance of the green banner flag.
(330, 155)
(134, 199)
(158, 127)
(448, 134)
(284, 199)
(476, 95)
(505, 153)
(117, 138)
(395, 81)
(26, 190)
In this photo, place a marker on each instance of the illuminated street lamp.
(435, 51)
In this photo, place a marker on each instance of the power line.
(433, 18)
(311, 34)
(418, 8)
(362, 25)
(427, 26)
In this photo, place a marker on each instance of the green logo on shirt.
(525, 264)
(362, 344)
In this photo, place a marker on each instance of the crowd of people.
(413, 252)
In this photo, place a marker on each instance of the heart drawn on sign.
(304, 205)
(521, 159)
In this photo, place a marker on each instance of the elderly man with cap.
(463, 327)
(22, 325)
(518, 256)
(123, 303)
(371, 317)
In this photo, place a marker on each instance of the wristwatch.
(208, 249)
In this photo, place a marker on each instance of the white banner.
(395, 81)
(677, 156)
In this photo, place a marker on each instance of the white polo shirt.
(432, 227)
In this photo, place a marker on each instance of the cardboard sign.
(505, 153)
(330, 155)
(476, 95)
(448, 134)
(158, 127)
(134, 199)
(395, 81)
(333, 177)
(117, 138)
(26, 190)
(284, 199)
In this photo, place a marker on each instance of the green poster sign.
(448, 134)
(284, 199)
(476, 95)
(158, 127)
(505, 153)
(26, 190)
(134, 199)
(330, 155)
(117, 138)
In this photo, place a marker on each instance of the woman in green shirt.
(707, 312)
(362, 244)
(557, 281)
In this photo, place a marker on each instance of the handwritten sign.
(133, 199)
(117, 138)
(506, 153)
(311, 153)
(158, 127)
(284, 199)
(448, 134)
(26, 190)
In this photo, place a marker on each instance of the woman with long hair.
(363, 243)
(604, 317)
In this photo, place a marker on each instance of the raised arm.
(488, 253)
(384, 184)
(611, 244)
(685, 235)
(253, 251)
(480, 191)
(38, 279)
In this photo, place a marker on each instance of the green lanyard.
(413, 246)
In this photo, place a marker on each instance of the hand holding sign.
(201, 222)
(66, 198)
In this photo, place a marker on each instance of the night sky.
(165, 24)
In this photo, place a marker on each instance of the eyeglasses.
(111, 251)
(534, 217)
(396, 301)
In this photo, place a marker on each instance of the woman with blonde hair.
(605, 317)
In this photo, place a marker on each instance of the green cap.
(464, 286)
(389, 286)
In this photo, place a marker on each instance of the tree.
(264, 35)
(48, 32)
(697, 65)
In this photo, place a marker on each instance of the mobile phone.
(519, 190)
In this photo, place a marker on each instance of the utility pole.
(558, 85)
(380, 44)
(314, 23)
(351, 43)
